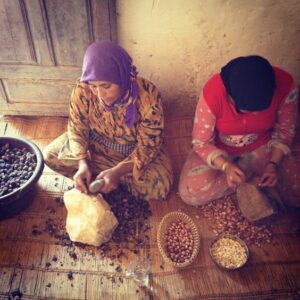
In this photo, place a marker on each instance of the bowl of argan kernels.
(178, 239)
(229, 252)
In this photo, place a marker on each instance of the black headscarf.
(250, 81)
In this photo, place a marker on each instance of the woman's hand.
(111, 177)
(234, 175)
(82, 177)
(269, 176)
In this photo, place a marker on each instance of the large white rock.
(90, 220)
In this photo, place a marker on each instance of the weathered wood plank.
(29, 281)
(23, 231)
(51, 183)
(6, 248)
(69, 73)
(15, 279)
(62, 285)
(40, 32)
(104, 19)
(36, 128)
(16, 43)
(69, 30)
(3, 96)
(178, 127)
(178, 147)
(49, 203)
(112, 20)
(102, 287)
(43, 92)
(23, 109)
(6, 275)
(211, 282)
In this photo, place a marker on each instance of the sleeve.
(149, 130)
(285, 127)
(76, 146)
(204, 133)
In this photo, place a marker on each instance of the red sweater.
(230, 122)
(218, 127)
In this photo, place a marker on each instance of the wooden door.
(42, 43)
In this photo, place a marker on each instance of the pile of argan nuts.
(133, 215)
(132, 233)
(130, 238)
(179, 241)
(227, 218)
(16, 167)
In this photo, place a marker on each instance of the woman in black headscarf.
(243, 128)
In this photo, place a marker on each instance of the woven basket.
(163, 225)
(232, 237)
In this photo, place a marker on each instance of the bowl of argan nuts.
(229, 252)
(178, 239)
(21, 165)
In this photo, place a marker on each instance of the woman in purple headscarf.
(115, 128)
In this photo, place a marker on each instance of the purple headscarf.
(106, 61)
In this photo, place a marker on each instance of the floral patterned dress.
(246, 138)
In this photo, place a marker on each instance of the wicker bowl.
(163, 225)
(220, 251)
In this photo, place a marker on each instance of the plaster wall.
(179, 44)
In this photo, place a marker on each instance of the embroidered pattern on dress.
(293, 96)
(125, 149)
(238, 140)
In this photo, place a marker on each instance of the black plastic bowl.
(20, 198)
